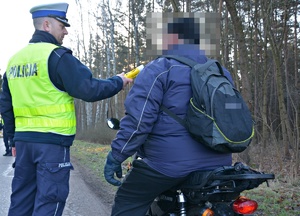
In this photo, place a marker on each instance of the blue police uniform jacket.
(163, 143)
(67, 74)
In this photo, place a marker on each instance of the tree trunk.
(175, 5)
(265, 80)
(297, 85)
(276, 53)
(243, 61)
(243, 64)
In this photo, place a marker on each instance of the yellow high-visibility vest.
(37, 104)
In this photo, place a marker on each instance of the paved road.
(82, 201)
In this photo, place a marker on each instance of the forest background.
(259, 45)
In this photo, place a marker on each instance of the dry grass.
(282, 197)
(271, 160)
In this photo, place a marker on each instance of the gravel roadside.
(102, 190)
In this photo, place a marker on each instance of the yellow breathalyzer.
(133, 73)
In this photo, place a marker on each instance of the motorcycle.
(209, 193)
(212, 193)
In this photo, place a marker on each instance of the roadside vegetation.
(280, 198)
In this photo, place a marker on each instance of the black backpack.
(217, 115)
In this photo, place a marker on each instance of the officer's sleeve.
(70, 75)
(6, 109)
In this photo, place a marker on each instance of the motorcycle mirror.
(113, 123)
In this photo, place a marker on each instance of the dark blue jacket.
(68, 74)
(163, 143)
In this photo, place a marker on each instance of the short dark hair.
(186, 28)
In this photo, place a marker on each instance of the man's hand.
(111, 167)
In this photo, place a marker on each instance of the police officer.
(37, 105)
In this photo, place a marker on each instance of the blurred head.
(199, 31)
(186, 29)
(52, 19)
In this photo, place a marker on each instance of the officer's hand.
(126, 80)
(11, 144)
(111, 167)
(14, 151)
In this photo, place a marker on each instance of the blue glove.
(111, 167)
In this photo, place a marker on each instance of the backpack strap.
(191, 63)
(173, 115)
(185, 61)
(182, 59)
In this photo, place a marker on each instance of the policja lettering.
(67, 164)
(27, 70)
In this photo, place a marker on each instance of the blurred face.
(56, 28)
(171, 39)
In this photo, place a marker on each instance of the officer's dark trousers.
(40, 185)
(138, 190)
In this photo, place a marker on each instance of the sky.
(17, 27)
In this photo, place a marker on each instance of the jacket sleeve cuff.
(11, 142)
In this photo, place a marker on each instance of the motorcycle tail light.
(244, 205)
